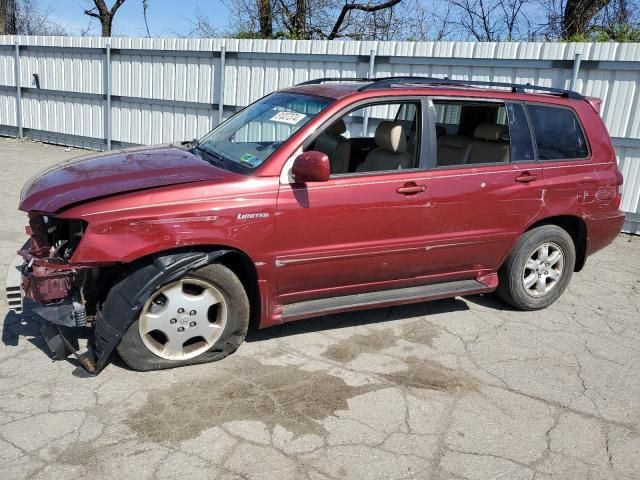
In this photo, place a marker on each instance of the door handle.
(411, 189)
(526, 177)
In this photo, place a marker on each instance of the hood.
(109, 173)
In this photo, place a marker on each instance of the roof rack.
(317, 81)
(387, 82)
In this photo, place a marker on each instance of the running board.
(382, 298)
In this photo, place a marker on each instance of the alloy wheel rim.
(543, 269)
(183, 319)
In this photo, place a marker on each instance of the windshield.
(250, 136)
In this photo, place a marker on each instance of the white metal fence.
(111, 92)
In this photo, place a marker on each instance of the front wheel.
(201, 317)
(538, 269)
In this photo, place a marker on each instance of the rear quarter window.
(558, 133)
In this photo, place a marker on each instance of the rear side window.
(471, 132)
(558, 133)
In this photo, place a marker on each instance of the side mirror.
(311, 166)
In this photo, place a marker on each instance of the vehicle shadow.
(358, 318)
(25, 324)
(491, 300)
(28, 325)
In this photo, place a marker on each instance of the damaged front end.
(100, 300)
(63, 293)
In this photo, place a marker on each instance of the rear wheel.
(538, 269)
(201, 317)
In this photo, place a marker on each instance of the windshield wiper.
(191, 144)
(212, 157)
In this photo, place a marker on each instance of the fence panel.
(166, 89)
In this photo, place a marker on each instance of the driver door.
(363, 229)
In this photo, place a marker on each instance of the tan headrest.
(488, 131)
(391, 137)
(337, 128)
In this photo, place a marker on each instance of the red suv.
(330, 196)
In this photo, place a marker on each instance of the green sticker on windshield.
(250, 159)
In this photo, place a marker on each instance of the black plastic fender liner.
(126, 298)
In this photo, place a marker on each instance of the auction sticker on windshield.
(288, 117)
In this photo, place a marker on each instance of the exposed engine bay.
(47, 275)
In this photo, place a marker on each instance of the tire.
(518, 271)
(221, 288)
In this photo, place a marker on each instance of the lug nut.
(181, 310)
(192, 324)
(172, 321)
(192, 312)
(181, 329)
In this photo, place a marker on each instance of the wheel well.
(237, 261)
(575, 227)
(240, 264)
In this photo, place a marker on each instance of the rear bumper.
(602, 230)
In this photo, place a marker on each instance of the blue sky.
(166, 17)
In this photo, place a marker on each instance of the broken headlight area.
(53, 238)
(47, 275)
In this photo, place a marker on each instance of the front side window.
(248, 138)
(380, 137)
(558, 133)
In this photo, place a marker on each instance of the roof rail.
(387, 82)
(317, 81)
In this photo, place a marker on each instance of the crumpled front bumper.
(119, 310)
(34, 285)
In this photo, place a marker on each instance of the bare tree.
(419, 21)
(442, 24)
(8, 17)
(306, 19)
(347, 9)
(578, 15)
(202, 26)
(265, 18)
(511, 15)
(619, 21)
(104, 15)
(492, 20)
(31, 18)
(582, 20)
(478, 18)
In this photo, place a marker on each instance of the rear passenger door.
(485, 183)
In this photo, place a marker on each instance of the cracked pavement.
(460, 388)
